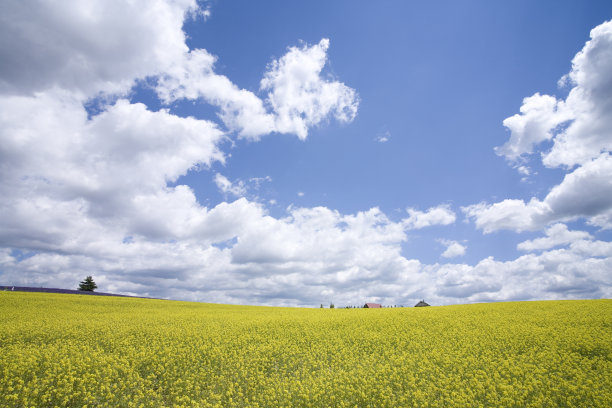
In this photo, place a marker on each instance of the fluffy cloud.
(111, 171)
(322, 234)
(579, 128)
(583, 193)
(590, 103)
(297, 95)
(556, 235)
(312, 256)
(509, 214)
(573, 272)
(540, 114)
(300, 97)
(453, 249)
(192, 77)
(440, 215)
(587, 110)
(88, 47)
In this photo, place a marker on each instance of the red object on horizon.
(372, 306)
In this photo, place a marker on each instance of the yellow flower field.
(76, 351)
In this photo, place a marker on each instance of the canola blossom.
(89, 351)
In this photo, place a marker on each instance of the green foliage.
(88, 285)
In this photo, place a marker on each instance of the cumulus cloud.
(322, 234)
(556, 235)
(590, 102)
(312, 256)
(88, 47)
(572, 272)
(508, 214)
(578, 126)
(453, 249)
(540, 115)
(111, 171)
(298, 94)
(192, 77)
(583, 193)
(440, 215)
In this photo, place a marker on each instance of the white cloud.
(590, 102)
(240, 188)
(579, 128)
(227, 187)
(587, 111)
(586, 192)
(299, 96)
(540, 114)
(589, 248)
(383, 137)
(571, 273)
(108, 172)
(319, 235)
(556, 235)
(453, 249)
(192, 76)
(509, 214)
(311, 256)
(440, 215)
(87, 47)
(258, 181)
(524, 170)
(583, 193)
(127, 146)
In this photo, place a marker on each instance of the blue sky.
(391, 155)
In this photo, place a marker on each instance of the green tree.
(88, 285)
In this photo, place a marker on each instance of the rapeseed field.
(88, 351)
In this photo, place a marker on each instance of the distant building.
(421, 304)
(372, 306)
